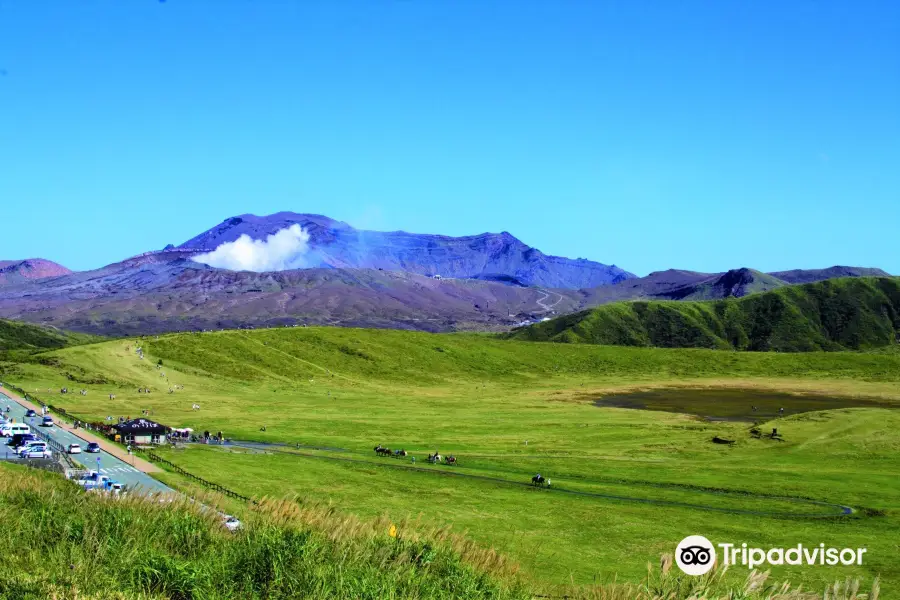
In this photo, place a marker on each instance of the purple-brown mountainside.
(490, 256)
(164, 291)
(19, 271)
(490, 282)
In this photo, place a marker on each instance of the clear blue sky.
(697, 135)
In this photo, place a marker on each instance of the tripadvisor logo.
(696, 555)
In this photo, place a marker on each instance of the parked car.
(47, 421)
(37, 451)
(11, 429)
(92, 448)
(74, 449)
(17, 439)
(29, 444)
(30, 413)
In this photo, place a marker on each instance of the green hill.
(837, 314)
(15, 335)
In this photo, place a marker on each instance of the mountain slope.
(676, 284)
(840, 314)
(491, 256)
(18, 271)
(735, 283)
(165, 291)
(811, 275)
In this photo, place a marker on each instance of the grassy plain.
(647, 479)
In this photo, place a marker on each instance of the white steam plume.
(285, 249)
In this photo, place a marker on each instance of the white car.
(93, 480)
(38, 451)
(74, 449)
(232, 523)
(27, 445)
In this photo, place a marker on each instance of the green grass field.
(646, 479)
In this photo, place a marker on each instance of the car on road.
(109, 486)
(30, 413)
(74, 449)
(232, 523)
(93, 480)
(92, 448)
(37, 451)
(47, 421)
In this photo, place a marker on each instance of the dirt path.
(138, 463)
(548, 307)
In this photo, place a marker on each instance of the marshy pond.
(734, 404)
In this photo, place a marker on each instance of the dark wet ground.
(735, 405)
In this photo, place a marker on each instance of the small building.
(141, 432)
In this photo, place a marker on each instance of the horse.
(539, 480)
(451, 460)
(434, 458)
(399, 453)
(382, 451)
(84, 392)
(112, 396)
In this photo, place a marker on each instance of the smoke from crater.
(285, 249)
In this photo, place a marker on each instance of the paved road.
(117, 469)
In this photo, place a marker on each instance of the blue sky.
(697, 135)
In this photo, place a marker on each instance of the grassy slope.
(81, 545)
(15, 335)
(481, 398)
(71, 544)
(850, 313)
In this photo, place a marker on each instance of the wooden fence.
(204, 482)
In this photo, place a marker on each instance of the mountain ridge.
(336, 244)
(853, 313)
(488, 282)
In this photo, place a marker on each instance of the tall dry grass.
(666, 583)
(68, 544)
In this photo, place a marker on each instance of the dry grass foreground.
(87, 546)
